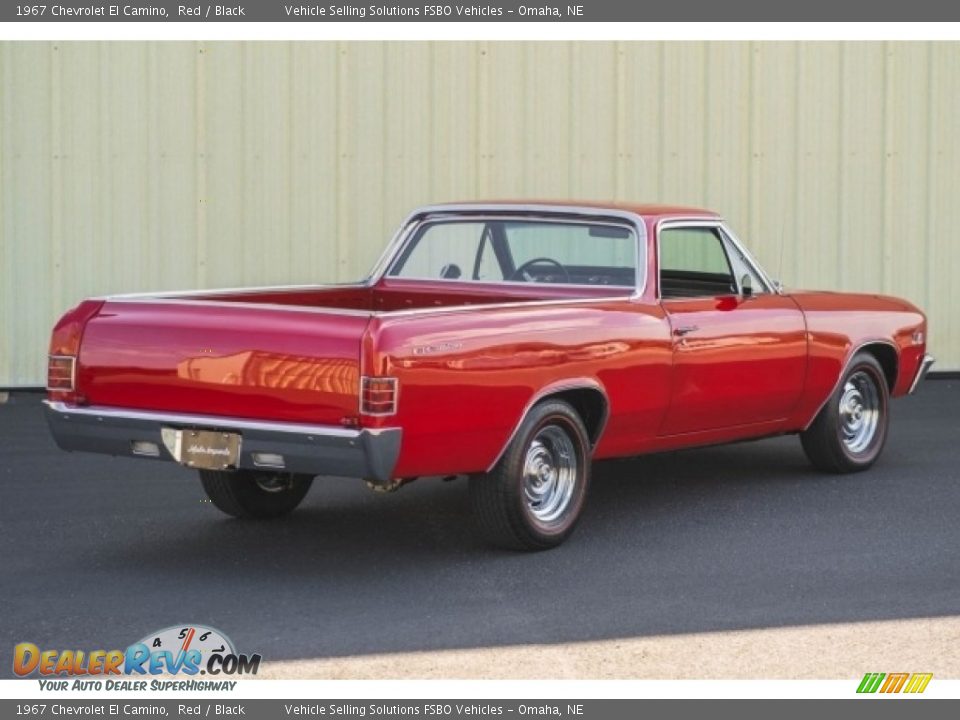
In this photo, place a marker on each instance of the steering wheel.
(522, 270)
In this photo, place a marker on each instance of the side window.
(694, 263)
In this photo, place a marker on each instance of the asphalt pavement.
(96, 552)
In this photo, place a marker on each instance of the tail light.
(61, 373)
(378, 395)
(64, 350)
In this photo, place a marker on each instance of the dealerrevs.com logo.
(179, 649)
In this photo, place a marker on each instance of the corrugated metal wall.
(141, 166)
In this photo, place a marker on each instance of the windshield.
(529, 251)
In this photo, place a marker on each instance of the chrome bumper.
(925, 365)
(307, 449)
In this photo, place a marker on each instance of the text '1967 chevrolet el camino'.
(510, 342)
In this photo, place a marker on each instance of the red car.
(511, 342)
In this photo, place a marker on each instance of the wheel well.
(887, 357)
(591, 406)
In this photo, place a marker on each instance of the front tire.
(533, 497)
(850, 430)
(250, 494)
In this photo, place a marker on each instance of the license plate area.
(203, 449)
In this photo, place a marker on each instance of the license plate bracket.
(203, 449)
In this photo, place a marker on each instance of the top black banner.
(308, 11)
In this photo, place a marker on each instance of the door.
(739, 348)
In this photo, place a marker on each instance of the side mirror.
(777, 286)
(746, 285)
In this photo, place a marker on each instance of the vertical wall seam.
(839, 270)
(886, 171)
(200, 160)
(930, 223)
(56, 177)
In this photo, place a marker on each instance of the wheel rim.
(859, 412)
(274, 483)
(550, 475)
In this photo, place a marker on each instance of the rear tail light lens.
(61, 372)
(378, 395)
(64, 350)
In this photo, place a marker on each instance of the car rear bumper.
(307, 449)
(925, 364)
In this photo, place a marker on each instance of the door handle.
(685, 330)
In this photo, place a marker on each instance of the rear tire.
(850, 430)
(533, 498)
(250, 494)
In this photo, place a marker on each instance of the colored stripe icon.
(894, 682)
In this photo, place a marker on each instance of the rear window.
(526, 251)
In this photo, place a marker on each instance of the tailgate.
(227, 359)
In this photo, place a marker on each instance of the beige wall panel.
(906, 179)
(942, 242)
(728, 131)
(776, 225)
(861, 198)
(685, 118)
(29, 248)
(222, 138)
(593, 121)
(817, 184)
(313, 148)
(639, 118)
(142, 166)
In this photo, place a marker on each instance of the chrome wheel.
(859, 408)
(550, 475)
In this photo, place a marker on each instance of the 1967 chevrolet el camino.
(511, 342)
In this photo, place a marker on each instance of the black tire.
(250, 494)
(831, 442)
(504, 513)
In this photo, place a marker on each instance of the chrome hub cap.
(859, 412)
(549, 475)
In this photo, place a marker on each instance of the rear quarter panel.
(467, 376)
(838, 324)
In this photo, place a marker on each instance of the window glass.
(449, 251)
(693, 263)
(521, 251)
(576, 245)
(742, 269)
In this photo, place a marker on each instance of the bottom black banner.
(472, 709)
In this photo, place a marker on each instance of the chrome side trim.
(846, 366)
(214, 292)
(925, 364)
(563, 386)
(199, 302)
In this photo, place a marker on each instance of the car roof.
(647, 210)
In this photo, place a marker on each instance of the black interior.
(581, 275)
(690, 283)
